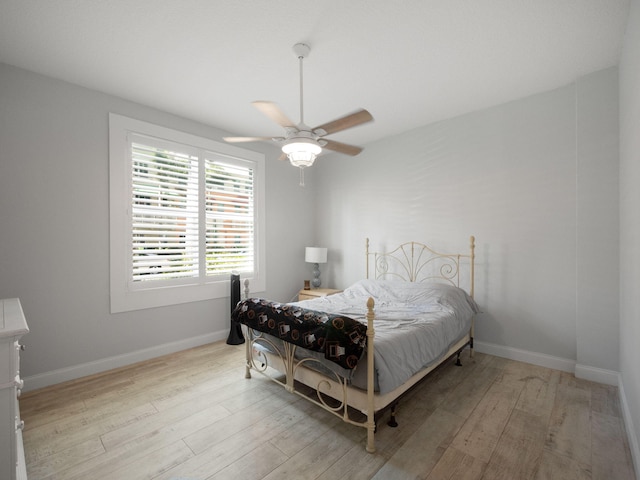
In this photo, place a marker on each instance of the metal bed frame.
(411, 261)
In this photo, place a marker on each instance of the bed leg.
(371, 442)
(392, 419)
(471, 348)
(247, 350)
(458, 362)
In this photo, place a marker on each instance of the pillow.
(424, 293)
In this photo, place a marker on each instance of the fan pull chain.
(302, 176)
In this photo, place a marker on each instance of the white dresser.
(12, 327)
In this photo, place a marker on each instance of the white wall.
(630, 228)
(518, 177)
(598, 226)
(54, 232)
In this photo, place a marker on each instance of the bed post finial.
(246, 288)
(366, 256)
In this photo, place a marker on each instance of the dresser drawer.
(12, 327)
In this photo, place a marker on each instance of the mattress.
(415, 325)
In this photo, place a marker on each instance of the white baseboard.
(593, 374)
(77, 371)
(634, 446)
(598, 375)
(541, 359)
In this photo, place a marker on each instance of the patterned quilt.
(341, 339)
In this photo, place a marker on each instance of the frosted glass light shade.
(315, 255)
(302, 153)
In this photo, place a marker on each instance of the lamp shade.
(315, 255)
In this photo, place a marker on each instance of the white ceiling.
(409, 62)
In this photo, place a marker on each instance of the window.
(185, 212)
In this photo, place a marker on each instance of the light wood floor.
(193, 415)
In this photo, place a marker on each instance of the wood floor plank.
(53, 442)
(180, 422)
(58, 423)
(248, 393)
(54, 415)
(605, 400)
(219, 388)
(569, 431)
(358, 464)
(149, 466)
(423, 449)
(225, 450)
(481, 432)
(143, 391)
(449, 383)
(463, 399)
(221, 430)
(554, 466)
(138, 451)
(255, 465)
(539, 393)
(611, 457)
(410, 416)
(519, 451)
(43, 414)
(318, 456)
(314, 423)
(75, 455)
(355, 464)
(455, 465)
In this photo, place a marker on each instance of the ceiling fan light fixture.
(302, 144)
(302, 152)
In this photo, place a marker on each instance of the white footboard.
(282, 359)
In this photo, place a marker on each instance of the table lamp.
(315, 255)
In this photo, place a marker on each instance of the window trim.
(122, 297)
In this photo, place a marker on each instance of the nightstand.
(315, 293)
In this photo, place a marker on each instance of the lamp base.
(316, 276)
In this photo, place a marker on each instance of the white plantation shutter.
(229, 218)
(185, 212)
(164, 212)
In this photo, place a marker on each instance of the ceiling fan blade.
(341, 147)
(348, 121)
(272, 111)
(245, 139)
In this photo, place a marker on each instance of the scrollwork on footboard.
(256, 338)
(260, 349)
(324, 387)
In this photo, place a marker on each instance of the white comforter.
(415, 324)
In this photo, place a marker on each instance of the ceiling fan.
(301, 144)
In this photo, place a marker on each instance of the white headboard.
(417, 262)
